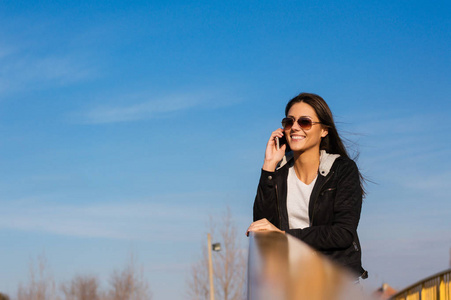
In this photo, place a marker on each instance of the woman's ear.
(324, 132)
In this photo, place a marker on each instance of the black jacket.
(334, 210)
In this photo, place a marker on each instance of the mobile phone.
(280, 142)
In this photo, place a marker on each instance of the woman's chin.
(302, 149)
(295, 147)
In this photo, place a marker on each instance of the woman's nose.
(296, 126)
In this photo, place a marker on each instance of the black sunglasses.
(304, 122)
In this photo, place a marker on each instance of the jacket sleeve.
(346, 214)
(265, 204)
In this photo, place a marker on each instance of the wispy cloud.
(129, 221)
(400, 143)
(24, 71)
(146, 106)
(59, 69)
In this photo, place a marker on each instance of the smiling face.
(301, 140)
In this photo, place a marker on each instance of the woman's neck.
(306, 165)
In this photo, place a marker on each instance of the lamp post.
(215, 247)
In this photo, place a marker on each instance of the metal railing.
(281, 267)
(435, 287)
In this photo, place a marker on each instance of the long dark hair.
(332, 142)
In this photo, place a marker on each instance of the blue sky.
(125, 124)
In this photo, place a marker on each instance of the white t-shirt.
(298, 198)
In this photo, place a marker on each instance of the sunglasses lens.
(305, 123)
(287, 122)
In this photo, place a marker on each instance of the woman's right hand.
(272, 155)
(262, 225)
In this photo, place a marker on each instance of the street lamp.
(215, 247)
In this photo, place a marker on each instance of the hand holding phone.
(273, 155)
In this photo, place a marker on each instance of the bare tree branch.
(129, 284)
(126, 284)
(41, 286)
(229, 265)
(82, 288)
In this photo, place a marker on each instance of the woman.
(309, 187)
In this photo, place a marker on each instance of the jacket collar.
(326, 160)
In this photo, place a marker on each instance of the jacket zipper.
(277, 205)
(316, 198)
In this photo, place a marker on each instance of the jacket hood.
(326, 160)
